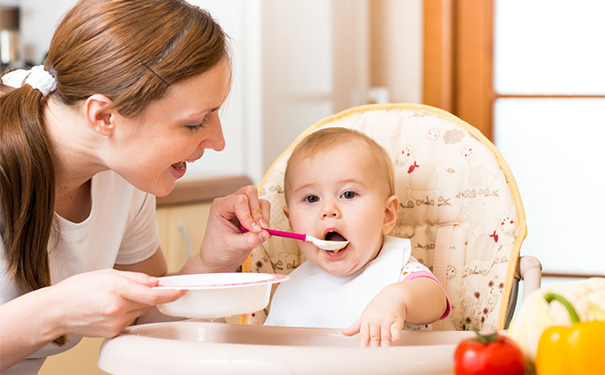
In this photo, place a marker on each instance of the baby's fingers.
(395, 331)
(353, 329)
(376, 335)
(390, 334)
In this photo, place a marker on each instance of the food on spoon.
(335, 236)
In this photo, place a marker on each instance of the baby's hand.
(381, 321)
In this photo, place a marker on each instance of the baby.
(339, 185)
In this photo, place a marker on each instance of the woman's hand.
(225, 247)
(381, 321)
(103, 303)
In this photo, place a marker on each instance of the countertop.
(202, 190)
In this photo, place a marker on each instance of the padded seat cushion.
(449, 178)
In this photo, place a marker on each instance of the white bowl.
(216, 295)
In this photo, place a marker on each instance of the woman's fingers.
(251, 212)
(255, 205)
(225, 247)
(138, 277)
(150, 297)
(265, 208)
(138, 288)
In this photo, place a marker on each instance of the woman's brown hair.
(127, 50)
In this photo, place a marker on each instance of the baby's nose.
(330, 210)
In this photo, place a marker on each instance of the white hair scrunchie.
(36, 77)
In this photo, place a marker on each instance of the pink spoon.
(322, 244)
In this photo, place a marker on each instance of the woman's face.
(153, 149)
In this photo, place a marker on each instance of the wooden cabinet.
(81, 359)
(183, 214)
(181, 229)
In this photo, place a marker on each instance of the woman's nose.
(215, 138)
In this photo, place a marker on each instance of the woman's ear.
(286, 213)
(98, 115)
(390, 214)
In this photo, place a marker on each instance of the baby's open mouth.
(335, 236)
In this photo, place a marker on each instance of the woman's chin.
(162, 187)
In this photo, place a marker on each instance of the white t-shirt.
(121, 229)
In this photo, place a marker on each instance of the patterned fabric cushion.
(447, 175)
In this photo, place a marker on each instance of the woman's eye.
(349, 195)
(198, 127)
(312, 199)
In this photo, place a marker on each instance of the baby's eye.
(349, 195)
(311, 198)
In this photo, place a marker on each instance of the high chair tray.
(194, 347)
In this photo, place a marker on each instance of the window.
(531, 76)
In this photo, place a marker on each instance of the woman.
(129, 93)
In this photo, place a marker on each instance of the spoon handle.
(280, 233)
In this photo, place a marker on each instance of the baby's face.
(338, 195)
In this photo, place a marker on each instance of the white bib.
(314, 298)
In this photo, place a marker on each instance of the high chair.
(459, 205)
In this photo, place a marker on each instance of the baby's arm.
(419, 300)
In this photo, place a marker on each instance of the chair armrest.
(529, 269)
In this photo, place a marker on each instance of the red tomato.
(494, 354)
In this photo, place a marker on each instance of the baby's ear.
(390, 214)
(286, 213)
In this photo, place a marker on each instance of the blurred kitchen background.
(530, 74)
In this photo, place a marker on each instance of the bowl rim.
(265, 278)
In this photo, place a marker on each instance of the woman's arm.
(27, 324)
(225, 247)
(155, 265)
(100, 303)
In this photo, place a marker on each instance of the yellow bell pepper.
(579, 349)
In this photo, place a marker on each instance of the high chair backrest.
(459, 205)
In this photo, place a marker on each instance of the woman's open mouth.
(180, 166)
(179, 169)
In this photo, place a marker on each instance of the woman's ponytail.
(27, 186)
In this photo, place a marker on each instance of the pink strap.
(428, 274)
(440, 261)
(442, 251)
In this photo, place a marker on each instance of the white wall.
(396, 50)
(295, 62)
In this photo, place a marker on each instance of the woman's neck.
(74, 149)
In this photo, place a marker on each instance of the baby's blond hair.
(329, 137)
